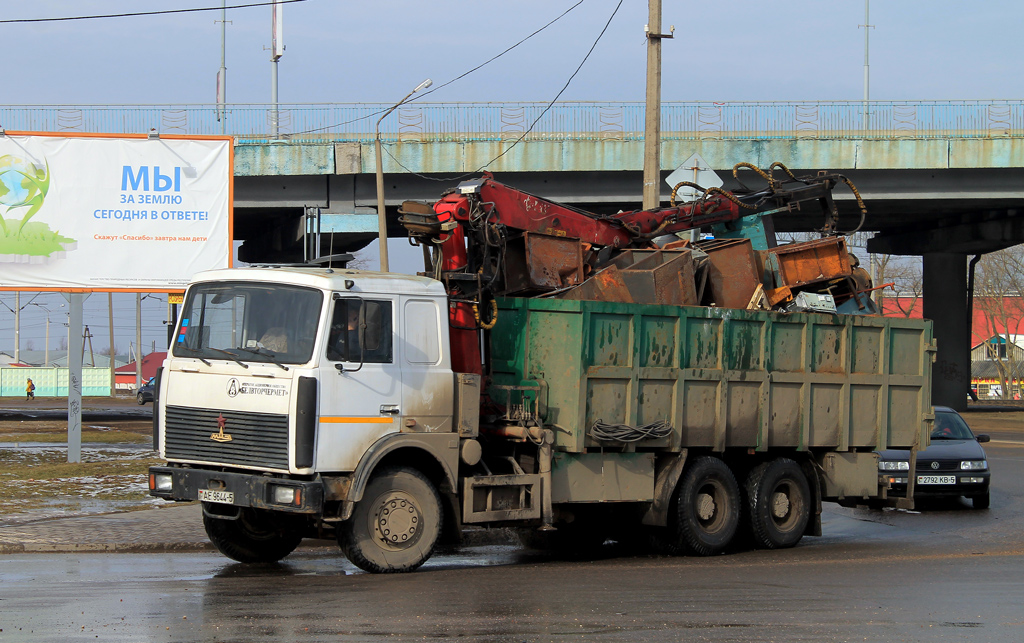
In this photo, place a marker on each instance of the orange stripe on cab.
(367, 420)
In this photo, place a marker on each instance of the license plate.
(936, 479)
(223, 497)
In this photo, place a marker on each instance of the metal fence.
(505, 121)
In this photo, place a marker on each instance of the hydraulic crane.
(489, 239)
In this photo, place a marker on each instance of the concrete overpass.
(940, 179)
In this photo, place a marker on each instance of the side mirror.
(983, 437)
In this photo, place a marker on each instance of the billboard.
(113, 212)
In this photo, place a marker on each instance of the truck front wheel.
(708, 507)
(780, 503)
(396, 525)
(251, 538)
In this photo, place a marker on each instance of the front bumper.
(896, 482)
(248, 489)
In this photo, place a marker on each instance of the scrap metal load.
(484, 239)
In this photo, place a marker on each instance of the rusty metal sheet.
(800, 264)
(538, 262)
(662, 277)
(732, 272)
(606, 285)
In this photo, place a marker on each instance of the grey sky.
(339, 51)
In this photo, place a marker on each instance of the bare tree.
(905, 273)
(30, 345)
(998, 284)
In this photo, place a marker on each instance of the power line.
(460, 77)
(532, 125)
(146, 13)
(493, 58)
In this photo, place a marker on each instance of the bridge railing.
(509, 121)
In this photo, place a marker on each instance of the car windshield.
(249, 322)
(950, 426)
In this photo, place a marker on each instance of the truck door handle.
(391, 409)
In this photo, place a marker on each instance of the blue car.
(145, 392)
(953, 465)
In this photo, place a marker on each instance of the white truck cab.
(282, 384)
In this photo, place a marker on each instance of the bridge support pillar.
(945, 303)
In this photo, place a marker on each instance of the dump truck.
(503, 388)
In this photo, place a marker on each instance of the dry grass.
(39, 480)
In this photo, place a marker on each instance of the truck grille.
(257, 439)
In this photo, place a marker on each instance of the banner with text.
(112, 213)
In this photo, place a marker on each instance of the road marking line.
(1017, 442)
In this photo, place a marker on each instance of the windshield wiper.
(266, 352)
(233, 357)
(194, 350)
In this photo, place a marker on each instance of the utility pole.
(865, 119)
(222, 73)
(865, 114)
(17, 327)
(92, 356)
(276, 51)
(652, 115)
(138, 341)
(113, 351)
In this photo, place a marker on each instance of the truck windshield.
(252, 322)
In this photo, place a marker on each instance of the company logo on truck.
(220, 436)
(236, 388)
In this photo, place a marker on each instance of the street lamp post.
(382, 221)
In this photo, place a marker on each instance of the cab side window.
(360, 332)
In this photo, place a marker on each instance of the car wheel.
(141, 398)
(980, 501)
(707, 507)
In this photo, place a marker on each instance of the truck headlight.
(160, 482)
(973, 465)
(282, 495)
(893, 465)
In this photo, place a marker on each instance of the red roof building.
(124, 377)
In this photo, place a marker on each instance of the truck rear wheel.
(707, 507)
(396, 525)
(779, 502)
(251, 538)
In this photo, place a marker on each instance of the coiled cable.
(627, 433)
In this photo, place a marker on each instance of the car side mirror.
(982, 437)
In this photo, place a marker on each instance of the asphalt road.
(946, 573)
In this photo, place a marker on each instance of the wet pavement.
(943, 573)
(94, 409)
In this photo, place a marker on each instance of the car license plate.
(936, 479)
(223, 497)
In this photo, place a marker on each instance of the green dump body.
(723, 378)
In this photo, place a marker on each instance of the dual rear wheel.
(775, 503)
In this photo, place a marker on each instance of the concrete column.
(945, 303)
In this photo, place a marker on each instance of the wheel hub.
(780, 505)
(397, 520)
(705, 506)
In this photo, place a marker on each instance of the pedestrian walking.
(30, 390)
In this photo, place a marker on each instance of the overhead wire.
(532, 125)
(134, 14)
(459, 77)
